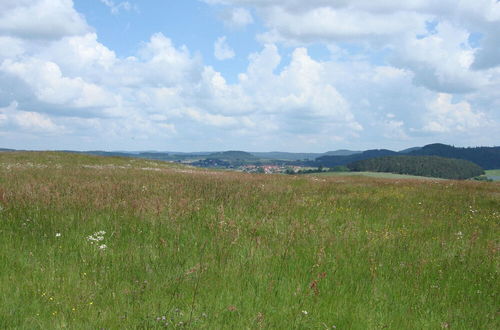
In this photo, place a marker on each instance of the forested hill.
(430, 166)
(332, 161)
(486, 157)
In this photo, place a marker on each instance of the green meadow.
(380, 175)
(116, 243)
(493, 174)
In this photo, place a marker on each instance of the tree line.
(430, 166)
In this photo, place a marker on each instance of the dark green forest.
(430, 166)
(486, 157)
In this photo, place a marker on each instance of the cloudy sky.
(255, 75)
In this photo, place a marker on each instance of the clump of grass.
(200, 249)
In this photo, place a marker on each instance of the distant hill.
(486, 157)
(406, 151)
(332, 161)
(341, 152)
(293, 156)
(232, 155)
(430, 166)
(279, 155)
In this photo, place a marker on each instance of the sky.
(254, 75)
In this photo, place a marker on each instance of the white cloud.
(330, 24)
(237, 17)
(222, 51)
(50, 86)
(441, 61)
(117, 7)
(210, 119)
(12, 118)
(66, 82)
(80, 56)
(10, 47)
(445, 116)
(488, 56)
(161, 63)
(394, 129)
(40, 19)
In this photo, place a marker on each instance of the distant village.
(248, 168)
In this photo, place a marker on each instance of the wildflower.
(459, 235)
(305, 312)
(58, 234)
(96, 238)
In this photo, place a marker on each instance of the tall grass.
(203, 249)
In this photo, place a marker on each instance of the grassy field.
(493, 174)
(90, 242)
(380, 175)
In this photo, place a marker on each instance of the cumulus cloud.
(446, 116)
(441, 61)
(12, 118)
(57, 78)
(237, 17)
(488, 56)
(40, 19)
(50, 86)
(222, 51)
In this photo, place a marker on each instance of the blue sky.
(250, 75)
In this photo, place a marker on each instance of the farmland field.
(95, 242)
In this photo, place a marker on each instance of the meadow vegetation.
(96, 242)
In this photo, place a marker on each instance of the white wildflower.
(305, 312)
(102, 247)
(96, 238)
(58, 234)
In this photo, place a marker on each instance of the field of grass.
(114, 243)
(380, 175)
(494, 174)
